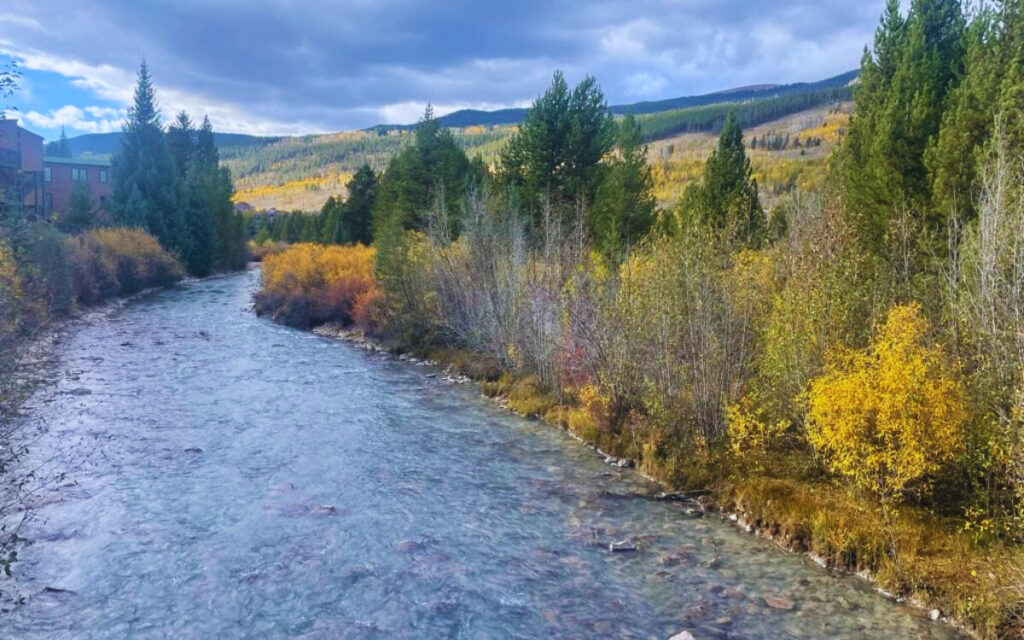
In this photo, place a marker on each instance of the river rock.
(779, 602)
(683, 635)
(934, 614)
(622, 545)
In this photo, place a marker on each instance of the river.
(225, 477)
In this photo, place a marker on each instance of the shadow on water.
(231, 478)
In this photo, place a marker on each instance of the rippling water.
(230, 478)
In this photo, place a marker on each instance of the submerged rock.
(622, 545)
(779, 602)
(193, 450)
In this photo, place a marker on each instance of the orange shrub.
(309, 284)
(114, 261)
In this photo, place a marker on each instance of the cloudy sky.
(280, 67)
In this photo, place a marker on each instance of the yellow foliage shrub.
(10, 295)
(116, 261)
(889, 414)
(751, 435)
(308, 284)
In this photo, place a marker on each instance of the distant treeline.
(710, 118)
(476, 117)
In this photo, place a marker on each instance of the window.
(78, 175)
(103, 202)
(103, 176)
(47, 176)
(47, 201)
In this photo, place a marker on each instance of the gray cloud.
(289, 66)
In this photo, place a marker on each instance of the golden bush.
(308, 284)
(889, 414)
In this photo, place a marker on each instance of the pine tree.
(145, 188)
(623, 210)
(953, 157)
(726, 197)
(899, 107)
(60, 148)
(1011, 90)
(81, 213)
(357, 213)
(331, 231)
(434, 167)
(200, 259)
(556, 154)
(181, 140)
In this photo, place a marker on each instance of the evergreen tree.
(81, 213)
(331, 231)
(1011, 90)
(61, 147)
(431, 171)
(556, 154)
(181, 140)
(953, 157)
(200, 258)
(904, 88)
(357, 213)
(623, 210)
(145, 188)
(726, 197)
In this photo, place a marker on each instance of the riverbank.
(356, 493)
(920, 559)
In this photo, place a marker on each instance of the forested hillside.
(300, 173)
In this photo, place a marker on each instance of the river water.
(229, 478)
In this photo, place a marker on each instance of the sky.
(292, 67)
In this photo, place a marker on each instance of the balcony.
(10, 159)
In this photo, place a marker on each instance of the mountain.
(476, 117)
(104, 144)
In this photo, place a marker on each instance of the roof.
(88, 162)
(22, 129)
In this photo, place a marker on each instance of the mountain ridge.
(102, 144)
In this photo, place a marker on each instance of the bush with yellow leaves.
(890, 414)
(309, 284)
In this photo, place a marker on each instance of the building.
(43, 185)
(60, 175)
(21, 167)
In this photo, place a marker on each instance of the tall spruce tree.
(726, 197)
(904, 87)
(357, 215)
(181, 139)
(145, 188)
(952, 158)
(623, 209)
